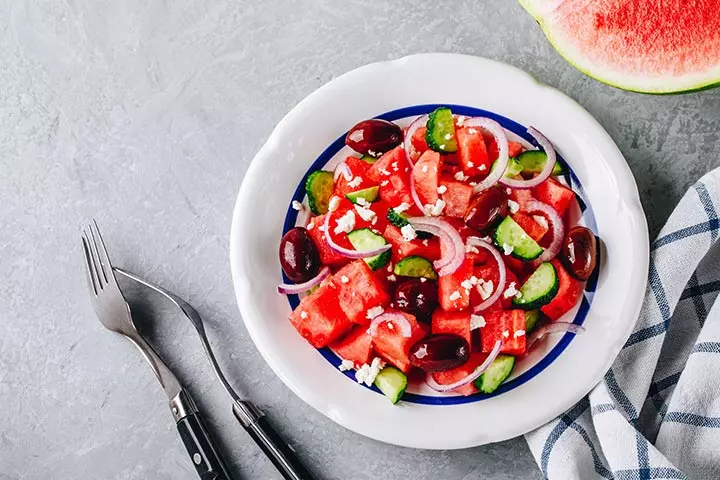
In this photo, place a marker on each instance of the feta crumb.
(542, 221)
(508, 191)
(477, 321)
(408, 233)
(507, 249)
(460, 120)
(426, 242)
(362, 373)
(346, 223)
(474, 184)
(385, 172)
(334, 203)
(370, 371)
(384, 183)
(402, 207)
(448, 136)
(392, 278)
(571, 252)
(471, 249)
(513, 206)
(472, 131)
(424, 169)
(362, 202)
(518, 333)
(482, 167)
(466, 284)
(442, 147)
(346, 365)
(454, 296)
(510, 291)
(355, 182)
(374, 312)
(460, 177)
(442, 189)
(297, 205)
(395, 166)
(322, 227)
(421, 352)
(344, 279)
(365, 213)
(390, 326)
(435, 210)
(310, 226)
(303, 315)
(485, 289)
(373, 154)
(470, 164)
(423, 279)
(506, 334)
(390, 267)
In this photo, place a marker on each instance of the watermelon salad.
(441, 252)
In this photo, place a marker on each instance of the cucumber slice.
(399, 220)
(533, 161)
(531, 319)
(415, 266)
(368, 194)
(319, 188)
(366, 239)
(440, 134)
(539, 289)
(496, 374)
(392, 383)
(511, 234)
(368, 159)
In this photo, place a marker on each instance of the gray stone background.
(145, 115)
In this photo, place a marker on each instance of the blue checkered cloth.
(656, 413)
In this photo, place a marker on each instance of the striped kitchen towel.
(656, 413)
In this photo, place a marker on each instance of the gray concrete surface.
(145, 115)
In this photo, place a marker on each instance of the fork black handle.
(203, 453)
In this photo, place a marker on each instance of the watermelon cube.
(456, 196)
(522, 197)
(507, 326)
(328, 256)
(425, 175)
(390, 344)
(535, 230)
(356, 346)
(358, 290)
(554, 194)
(358, 168)
(457, 323)
(452, 295)
(514, 148)
(472, 152)
(427, 248)
(489, 272)
(388, 165)
(319, 318)
(418, 142)
(456, 374)
(569, 292)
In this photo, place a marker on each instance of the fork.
(114, 313)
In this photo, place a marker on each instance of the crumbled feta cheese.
(362, 202)
(477, 321)
(507, 249)
(437, 209)
(513, 206)
(408, 233)
(518, 333)
(510, 291)
(571, 252)
(303, 315)
(310, 226)
(466, 284)
(442, 147)
(508, 191)
(424, 169)
(390, 267)
(297, 205)
(402, 207)
(373, 154)
(395, 166)
(362, 373)
(471, 249)
(421, 352)
(392, 278)
(470, 164)
(373, 371)
(334, 203)
(355, 182)
(542, 221)
(374, 312)
(460, 120)
(460, 176)
(385, 172)
(485, 289)
(365, 213)
(474, 184)
(346, 223)
(344, 279)
(472, 131)
(423, 279)
(482, 167)
(346, 365)
(322, 227)
(390, 326)
(384, 183)
(448, 136)
(506, 334)
(442, 189)
(426, 242)
(454, 296)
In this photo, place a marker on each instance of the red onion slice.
(346, 252)
(449, 237)
(397, 319)
(558, 229)
(547, 169)
(407, 143)
(500, 287)
(470, 378)
(501, 163)
(287, 289)
(343, 169)
(550, 328)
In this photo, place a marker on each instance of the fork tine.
(92, 282)
(95, 257)
(101, 251)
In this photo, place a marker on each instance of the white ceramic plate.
(557, 374)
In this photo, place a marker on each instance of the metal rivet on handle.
(197, 459)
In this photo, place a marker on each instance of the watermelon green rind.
(616, 78)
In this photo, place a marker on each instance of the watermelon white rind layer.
(636, 45)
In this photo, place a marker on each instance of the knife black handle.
(203, 453)
(276, 449)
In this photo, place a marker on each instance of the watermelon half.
(651, 46)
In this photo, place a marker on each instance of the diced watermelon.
(359, 290)
(429, 248)
(569, 292)
(456, 197)
(472, 152)
(530, 226)
(358, 168)
(328, 256)
(457, 323)
(451, 294)
(356, 346)
(393, 347)
(521, 269)
(514, 148)
(489, 272)
(507, 326)
(456, 374)
(418, 142)
(554, 194)
(319, 318)
(522, 197)
(391, 163)
(425, 175)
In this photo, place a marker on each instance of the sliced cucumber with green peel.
(319, 188)
(399, 220)
(496, 374)
(369, 194)
(440, 134)
(531, 319)
(511, 234)
(415, 266)
(368, 159)
(539, 289)
(392, 383)
(366, 239)
(533, 161)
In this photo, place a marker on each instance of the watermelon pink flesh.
(649, 46)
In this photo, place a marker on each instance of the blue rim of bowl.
(587, 216)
